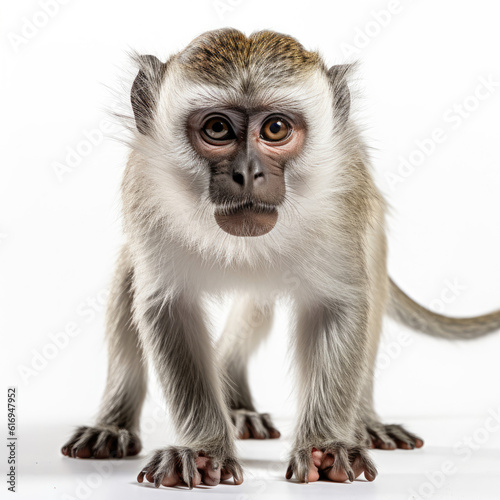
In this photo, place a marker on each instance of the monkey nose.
(249, 176)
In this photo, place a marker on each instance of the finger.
(170, 480)
(234, 468)
(211, 477)
(225, 475)
(358, 468)
(328, 471)
(201, 462)
(197, 478)
(337, 467)
(313, 474)
(317, 457)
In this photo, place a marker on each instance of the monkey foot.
(336, 463)
(390, 437)
(102, 442)
(181, 466)
(253, 425)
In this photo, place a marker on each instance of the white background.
(59, 236)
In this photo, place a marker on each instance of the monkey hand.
(102, 442)
(334, 462)
(179, 465)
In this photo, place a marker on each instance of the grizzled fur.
(326, 254)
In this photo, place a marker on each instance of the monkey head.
(238, 130)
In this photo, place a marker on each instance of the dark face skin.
(247, 151)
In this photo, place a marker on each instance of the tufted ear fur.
(338, 76)
(145, 90)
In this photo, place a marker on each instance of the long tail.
(409, 313)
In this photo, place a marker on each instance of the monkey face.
(239, 136)
(247, 153)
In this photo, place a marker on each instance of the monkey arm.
(331, 354)
(331, 350)
(177, 345)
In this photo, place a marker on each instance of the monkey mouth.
(247, 218)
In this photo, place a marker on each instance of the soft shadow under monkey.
(246, 168)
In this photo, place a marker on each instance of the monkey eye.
(275, 129)
(218, 129)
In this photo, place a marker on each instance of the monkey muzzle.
(246, 219)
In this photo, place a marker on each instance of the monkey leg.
(248, 324)
(176, 342)
(375, 433)
(115, 434)
(331, 351)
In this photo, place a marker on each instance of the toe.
(245, 433)
(274, 433)
(82, 452)
(255, 431)
(386, 444)
(134, 447)
(103, 451)
(405, 445)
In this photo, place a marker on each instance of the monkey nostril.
(239, 178)
(258, 178)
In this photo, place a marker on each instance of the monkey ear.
(145, 90)
(338, 76)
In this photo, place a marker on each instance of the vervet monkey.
(248, 174)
